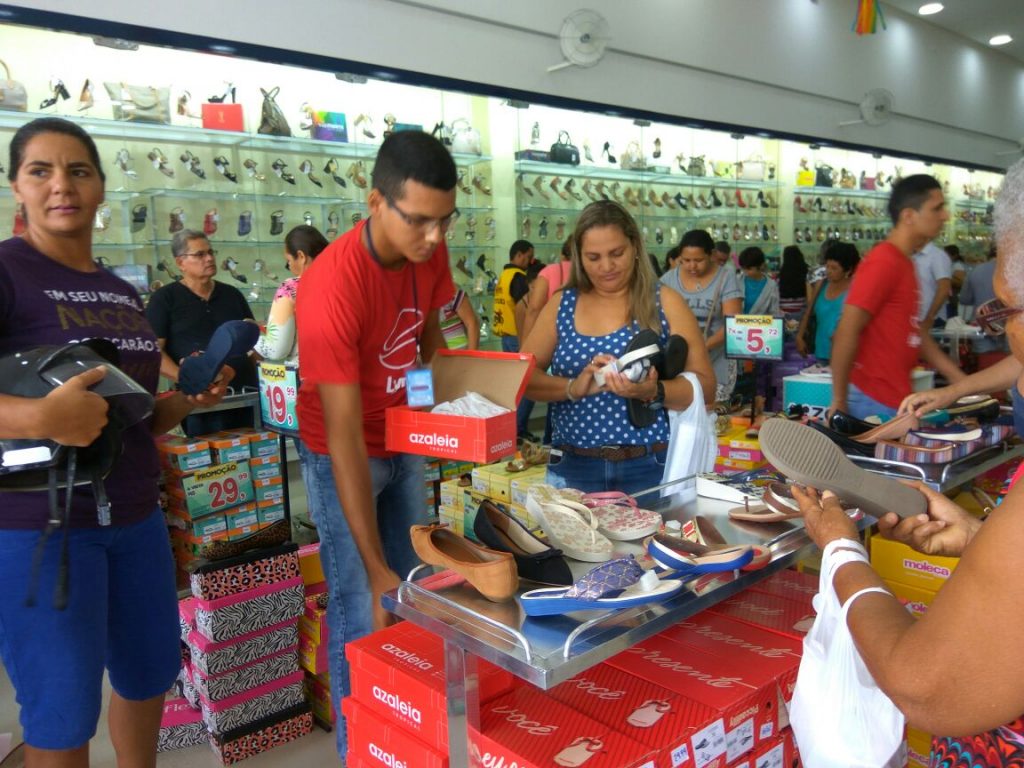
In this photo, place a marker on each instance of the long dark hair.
(306, 239)
(42, 125)
(792, 273)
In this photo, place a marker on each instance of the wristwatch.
(658, 401)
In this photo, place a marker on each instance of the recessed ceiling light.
(929, 9)
(1000, 40)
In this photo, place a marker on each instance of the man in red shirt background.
(877, 342)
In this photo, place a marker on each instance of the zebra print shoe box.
(213, 658)
(226, 617)
(218, 687)
(254, 704)
(180, 726)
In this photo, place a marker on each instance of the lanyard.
(415, 296)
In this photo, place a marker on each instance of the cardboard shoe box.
(379, 741)
(792, 618)
(501, 377)
(897, 562)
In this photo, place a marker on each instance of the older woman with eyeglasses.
(184, 314)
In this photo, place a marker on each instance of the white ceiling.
(977, 20)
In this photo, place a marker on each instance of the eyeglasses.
(202, 254)
(993, 314)
(422, 223)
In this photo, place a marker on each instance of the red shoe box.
(746, 645)
(223, 117)
(787, 617)
(528, 729)
(791, 585)
(398, 673)
(380, 741)
(648, 713)
(746, 699)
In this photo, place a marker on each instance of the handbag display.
(633, 158)
(722, 168)
(272, 120)
(564, 151)
(13, 97)
(751, 170)
(697, 166)
(465, 138)
(823, 176)
(140, 103)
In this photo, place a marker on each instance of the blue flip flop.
(680, 563)
(619, 583)
(232, 339)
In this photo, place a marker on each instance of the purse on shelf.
(564, 151)
(13, 97)
(751, 169)
(823, 176)
(140, 103)
(465, 138)
(697, 166)
(272, 119)
(632, 159)
(722, 168)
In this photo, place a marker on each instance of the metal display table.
(550, 650)
(944, 477)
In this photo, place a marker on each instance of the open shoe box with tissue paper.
(499, 376)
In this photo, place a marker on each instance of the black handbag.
(823, 176)
(272, 120)
(564, 151)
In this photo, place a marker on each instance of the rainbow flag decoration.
(869, 14)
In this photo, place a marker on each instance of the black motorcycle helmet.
(35, 465)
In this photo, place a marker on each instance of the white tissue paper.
(470, 404)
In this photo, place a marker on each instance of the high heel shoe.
(761, 200)
(607, 152)
(739, 199)
(599, 188)
(59, 92)
(681, 201)
(461, 182)
(527, 226)
(184, 102)
(679, 159)
(538, 184)
(653, 197)
(586, 151)
(367, 122)
(332, 225)
(85, 100)
(228, 91)
(193, 164)
(231, 266)
(521, 180)
(355, 172)
(729, 200)
(542, 228)
(306, 167)
(657, 149)
(492, 228)
(667, 201)
(278, 167)
(481, 183)
(771, 200)
(630, 198)
(703, 201)
(389, 124)
(799, 205)
(614, 189)
(560, 228)
(570, 187)
(250, 166)
(331, 169)
(221, 164)
(306, 121)
(124, 161)
(554, 188)
(715, 201)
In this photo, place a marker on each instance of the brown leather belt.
(615, 452)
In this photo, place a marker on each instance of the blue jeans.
(397, 485)
(591, 475)
(525, 408)
(861, 406)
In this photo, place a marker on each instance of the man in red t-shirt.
(367, 313)
(877, 342)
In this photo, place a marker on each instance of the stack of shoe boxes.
(738, 452)
(397, 713)
(914, 578)
(242, 638)
(313, 636)
(493, 482)
(267, 477)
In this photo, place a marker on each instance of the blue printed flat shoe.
(669, 553)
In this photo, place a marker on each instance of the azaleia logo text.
(387, 758)
(401, 706)
(407, 656)
(438, 441)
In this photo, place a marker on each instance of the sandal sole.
(810, 458)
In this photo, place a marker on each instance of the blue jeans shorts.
(861, 405)
(398, 491)
(122, 616)
(591, 475)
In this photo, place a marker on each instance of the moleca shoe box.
(501, 377)
(183, 454)
(897, 562)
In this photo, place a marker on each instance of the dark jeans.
(511, 344)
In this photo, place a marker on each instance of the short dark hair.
(751, 257)
(953, 251)
(911, 192)
(697, 238)
(672, 255)
(723, 247)
(42, 125)
(533, 270)
(306, 239)
(519, 246)
(843, 254)
(416, 156)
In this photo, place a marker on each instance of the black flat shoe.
(850, 447)
(671, 361)
(845, 424)
(536, 560)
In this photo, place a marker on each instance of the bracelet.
(568, 390)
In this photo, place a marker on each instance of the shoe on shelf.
(491, 572)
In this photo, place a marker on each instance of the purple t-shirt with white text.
(44, 302)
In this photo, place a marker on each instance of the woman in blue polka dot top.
(611, 295)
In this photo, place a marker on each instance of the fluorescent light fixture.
(117, 43)
(223, 48)
(1000, 40)
(929, 9)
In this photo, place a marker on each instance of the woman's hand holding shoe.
(920, 403)
(946, 530)
(645, 389)
(825, 519)
(216, 391)
(585, 384)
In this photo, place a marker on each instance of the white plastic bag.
(691, 446)
(840, 717)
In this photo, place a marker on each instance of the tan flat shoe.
(492, 573)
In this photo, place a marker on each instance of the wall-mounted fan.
(583, 38)
(875, 108)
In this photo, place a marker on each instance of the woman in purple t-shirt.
(121, 613)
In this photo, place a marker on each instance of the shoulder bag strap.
(714, 303)
(7, 70)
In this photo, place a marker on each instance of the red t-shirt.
(358, 323)
(885, 286)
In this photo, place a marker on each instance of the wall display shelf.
(972, 226)
(854, 215)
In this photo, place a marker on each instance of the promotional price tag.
(279, 390)
(218, 488)
(753, 337)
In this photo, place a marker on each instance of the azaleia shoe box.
(790, 584)
(528, 729)
(501, 377)
(380, 741)
(398, 673)
(746, 699)
(648, 713)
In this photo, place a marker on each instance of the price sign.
(279, 390)
(753, 337)
(217, 488)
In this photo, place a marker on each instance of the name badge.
(419, 387)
